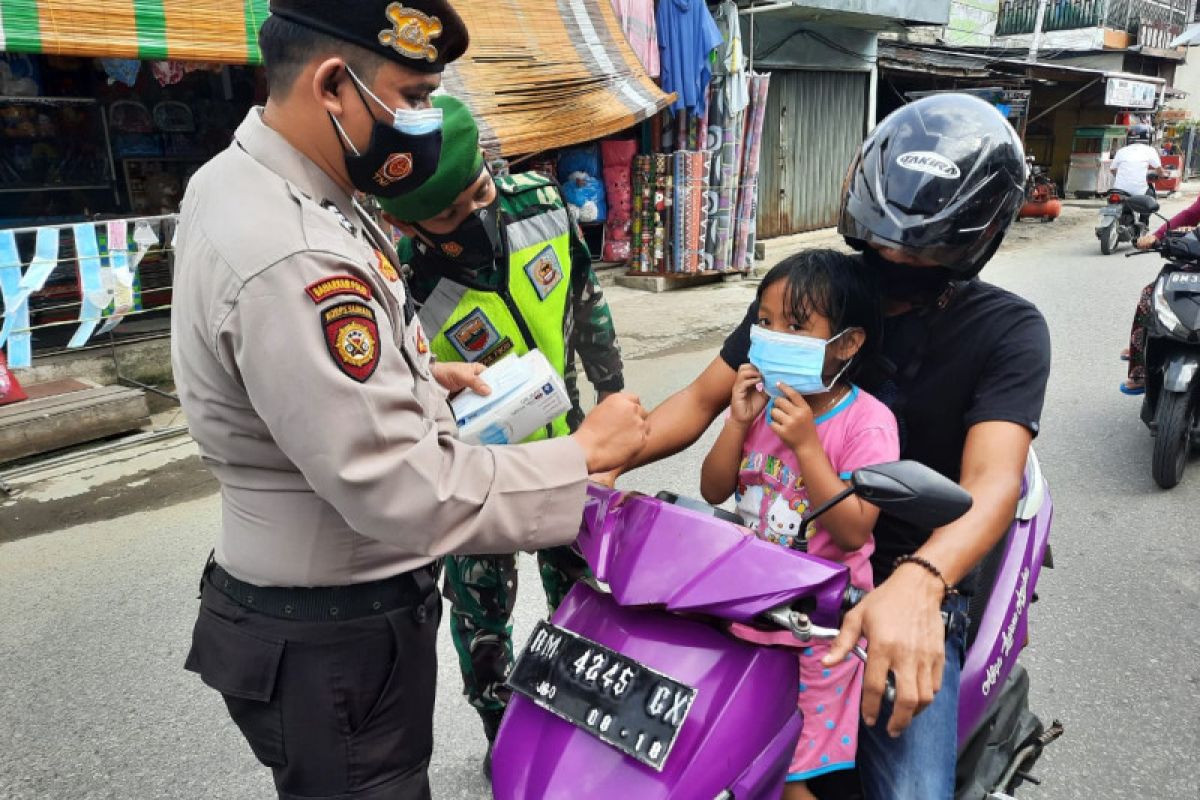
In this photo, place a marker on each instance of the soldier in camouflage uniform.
(498, 267)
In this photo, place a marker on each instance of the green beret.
(422, 35)
(458, 166)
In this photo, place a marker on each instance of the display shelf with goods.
(142, 132)
(53, 144)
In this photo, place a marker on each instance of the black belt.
(416, 589)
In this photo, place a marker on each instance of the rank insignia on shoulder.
(352, 338)
(331, 207)
(385, 267)
(544, 272)
(335, 285)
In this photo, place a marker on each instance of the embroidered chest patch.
(386, 269)
(473, 336)
(544, 271)
(352, 338)
(419, 340)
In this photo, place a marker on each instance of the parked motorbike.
(1118, 222)
(1041, 195)
(1172, 400)
(637, 689)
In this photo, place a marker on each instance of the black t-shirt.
(986, 356)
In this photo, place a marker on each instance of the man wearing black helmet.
(928, 199)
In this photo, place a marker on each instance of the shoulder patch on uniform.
(335, 285)
(473, 335)
(544, 271)
(352, 338)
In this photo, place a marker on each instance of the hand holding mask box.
(527, 394)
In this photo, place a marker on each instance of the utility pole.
(1037, 32)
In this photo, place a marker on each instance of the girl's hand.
(747, 401)
(792, 420)
(454, 376)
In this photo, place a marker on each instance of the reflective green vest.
(528, 309)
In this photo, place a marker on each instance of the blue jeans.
(919, 764)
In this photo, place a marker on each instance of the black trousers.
(337, 710)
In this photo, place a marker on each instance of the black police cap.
(422, 35)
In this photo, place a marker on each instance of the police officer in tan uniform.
(310, 389)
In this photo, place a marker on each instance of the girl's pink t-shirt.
(858, 432)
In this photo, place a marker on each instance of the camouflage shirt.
(587, 324)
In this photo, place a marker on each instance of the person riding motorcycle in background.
(928, 200)
(1134, 162)
(1135, 354)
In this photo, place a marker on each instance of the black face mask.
(474, 244)
(904, 282)
(394, 162)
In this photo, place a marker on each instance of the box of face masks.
(527, 394)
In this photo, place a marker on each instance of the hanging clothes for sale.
(732, 63)
(687, 34)
(637, 21)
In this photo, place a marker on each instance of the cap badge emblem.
(411, 33)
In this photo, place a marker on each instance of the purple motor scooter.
(636, 689)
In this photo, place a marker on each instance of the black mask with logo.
(394, 162)
(476, 243)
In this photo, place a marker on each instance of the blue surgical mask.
(414, 122)
(791, 359)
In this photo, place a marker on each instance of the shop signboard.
(1015, 103)
(1126, 93)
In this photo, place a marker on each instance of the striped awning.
(539, 73)
(548, 73)
(224, 31)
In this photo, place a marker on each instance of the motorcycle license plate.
(1184, 280)
(618, 700)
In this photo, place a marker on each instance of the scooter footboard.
(739, 732)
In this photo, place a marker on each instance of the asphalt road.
(95, 619)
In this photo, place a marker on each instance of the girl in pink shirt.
(792, 445)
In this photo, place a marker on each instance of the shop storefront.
(106, 110)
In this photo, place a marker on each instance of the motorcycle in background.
(637, 689)
(1172, 400)
(1119, 222)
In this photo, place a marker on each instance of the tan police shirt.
(306, 382)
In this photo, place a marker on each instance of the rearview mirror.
(912, 492)
(1142, 203)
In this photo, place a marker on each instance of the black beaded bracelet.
(913, 558)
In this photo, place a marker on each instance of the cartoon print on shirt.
(749, 506)
(784, 518)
